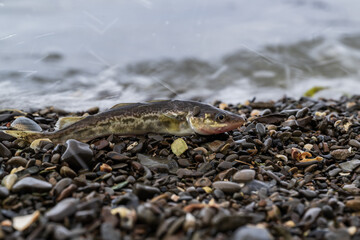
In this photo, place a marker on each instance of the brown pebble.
(67, 172)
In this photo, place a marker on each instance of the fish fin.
(29, 136)
(154, 101)
(122, 105)
(67, 121)
(119, 105)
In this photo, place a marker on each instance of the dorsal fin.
(67, 121)
(154, 101)
(122, 105)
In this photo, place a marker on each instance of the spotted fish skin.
(174, 117)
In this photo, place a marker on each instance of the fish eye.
(220, 117)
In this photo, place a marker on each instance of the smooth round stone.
(203, 182)
(144, 192)
(61, 185)
(30, 184)
(354, 143)
(4, 151)
(227, 187)
(252, 233)
(9, 180)
(4, 192)
(225, 165)
(67, 172)
(260, 128)
(63, 209)
(25, 124)
(244, 175)
(77, 154)
(17, 162)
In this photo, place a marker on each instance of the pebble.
(252, 233)
(341, 154)
(349, 166)
(65, 171)
(9, 181)
(334, 172)
(63, 209)
(354, 204)
(17, 162)
(4, 192)
(215, 146)
(4, 151)
(21, 223)
(354, 143)
(244, 175)
(203, 182)
(77, 154)
(310, 216)
(30, 184)
(179, 146)
(144, 192)
(227, 187)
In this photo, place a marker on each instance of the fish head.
(210, 120)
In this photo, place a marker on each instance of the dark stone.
(77, 154)
(4, 151)
(63, 209)
(29, 184)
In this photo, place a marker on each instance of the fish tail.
(28, 136)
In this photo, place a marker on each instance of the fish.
(174, 117)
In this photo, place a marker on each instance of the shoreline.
(290, 172)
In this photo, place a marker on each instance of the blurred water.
(79, 54)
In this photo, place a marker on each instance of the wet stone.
(183, 162)
(4, 151)
(63, 209)
(260, 129)
(4, 192)
(244, 175)
(9, 181)
(349, 166)
(67, 172)
(144, 192)
(252, 233)
(17, 162)
(203, 182)
(117, 156)
(354, 143)
(77, 154)
(30, 184)
(215, 146)
(225, 165)
(334, 172)
(227, 187)
(341, 154)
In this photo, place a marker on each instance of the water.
(79, 54)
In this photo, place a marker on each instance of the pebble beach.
(290, 172)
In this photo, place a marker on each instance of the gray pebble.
(226, 186)
(63, 209)
(252, 233)
(244, 175)
(29, 184)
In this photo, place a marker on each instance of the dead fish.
(174, 117)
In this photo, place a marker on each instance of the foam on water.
(75, 55)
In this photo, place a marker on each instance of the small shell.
(25, 124)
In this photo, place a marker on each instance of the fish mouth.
(206, 130)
